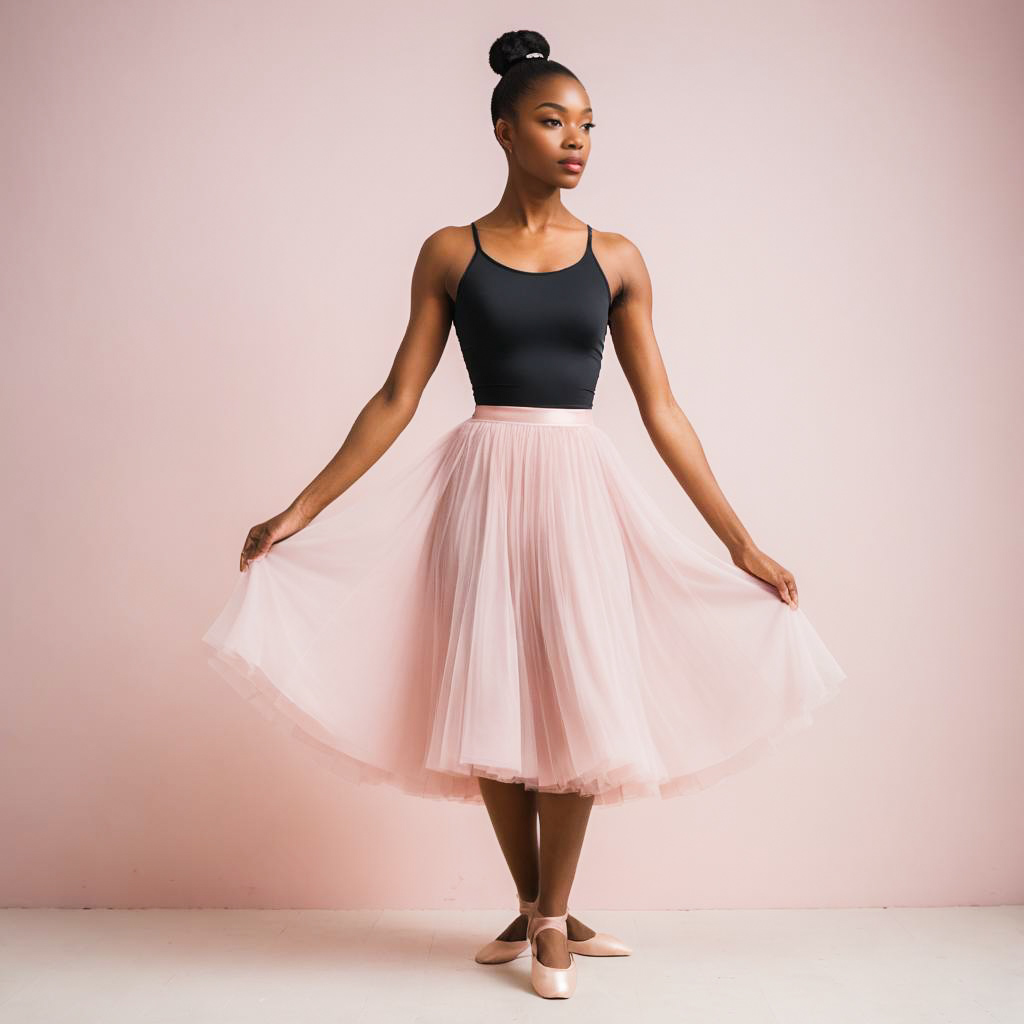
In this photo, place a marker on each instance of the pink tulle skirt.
(516, 606)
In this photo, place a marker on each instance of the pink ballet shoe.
(550, 982)
(502, 951)
(600, 944)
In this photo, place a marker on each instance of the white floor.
(885, 966)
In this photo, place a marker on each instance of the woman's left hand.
(758, 564)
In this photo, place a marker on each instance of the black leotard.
(532, 337)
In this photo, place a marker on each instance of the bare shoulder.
(445, 251)
(451, 241)
(452, 244)
(621, 261)
(444, 256)
(617, 246)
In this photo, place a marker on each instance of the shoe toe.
(553, 982)
(499, 951)
(601, 944)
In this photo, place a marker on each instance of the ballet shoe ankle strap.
(526, 906)
(538, 924)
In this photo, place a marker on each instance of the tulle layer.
(514, 605)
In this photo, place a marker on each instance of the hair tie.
(523, 57)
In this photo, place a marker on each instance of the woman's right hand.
(264, 535)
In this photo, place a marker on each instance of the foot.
(516, 931)
(578, 931)
(552, 950)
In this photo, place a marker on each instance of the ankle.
(552, 910)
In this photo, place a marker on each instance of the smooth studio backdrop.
(210, 216)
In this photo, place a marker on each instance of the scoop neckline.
(532, 273)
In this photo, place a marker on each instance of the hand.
(758, 564)
(264, 535)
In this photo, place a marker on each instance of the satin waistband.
(534, 414)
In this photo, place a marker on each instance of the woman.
(519, 625)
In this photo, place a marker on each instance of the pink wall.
(210, 214)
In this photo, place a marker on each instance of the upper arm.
(430, 314)
(631, 322)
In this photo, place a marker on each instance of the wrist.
(741, 547)
(300, 511)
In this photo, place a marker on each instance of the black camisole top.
(532, 337)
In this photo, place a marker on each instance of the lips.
(572, 163)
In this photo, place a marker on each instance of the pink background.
(210, 216)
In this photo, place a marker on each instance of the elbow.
(660, 408)
(399, 398)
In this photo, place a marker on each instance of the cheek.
(543, 147)
(530, 152)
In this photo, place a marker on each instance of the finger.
(247, 551)
(261, 549)
(791, 589)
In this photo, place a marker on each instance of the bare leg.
(563, 826)
(513, 812)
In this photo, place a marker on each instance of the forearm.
(374, 430)
(677, 443)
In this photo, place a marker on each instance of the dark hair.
(507, 58)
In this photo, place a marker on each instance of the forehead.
(557, 93)
(551, 105)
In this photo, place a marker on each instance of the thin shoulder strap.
(590, 235)
(476, 237)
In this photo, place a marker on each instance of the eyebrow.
(564, 110)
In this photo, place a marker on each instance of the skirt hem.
(260, 693)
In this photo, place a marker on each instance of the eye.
(556, 121)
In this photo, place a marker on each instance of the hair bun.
(512, 47)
